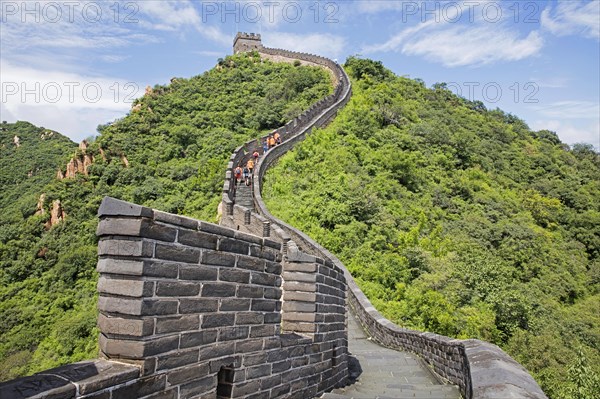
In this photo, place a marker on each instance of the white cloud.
(573, 18)
(570, 110)
(462, 46)
(456, 45)
(70, 103)
(325, 44)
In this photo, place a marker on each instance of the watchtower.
(246, 42)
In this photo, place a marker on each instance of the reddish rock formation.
(79, 163)
(60, 175)
(56, 215)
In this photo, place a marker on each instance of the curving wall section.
(480, 369)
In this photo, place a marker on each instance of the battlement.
(246, 42)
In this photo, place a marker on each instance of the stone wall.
(189, 309)
(479, 369)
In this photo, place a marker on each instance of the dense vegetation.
(169, 153)
(457, 219)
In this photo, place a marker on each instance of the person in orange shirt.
(250, 165)
(271, 141)
(277, 138)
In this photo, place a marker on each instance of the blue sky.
(72, 65)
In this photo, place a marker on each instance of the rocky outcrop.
(78, 164)
(57, 214)
(17, 141)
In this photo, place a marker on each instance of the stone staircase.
(243, 196)
(387, 373)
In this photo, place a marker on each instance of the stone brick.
(232, 245)
(273, 267)
(248, 237)
(198, 272)
(177, 324)
(177, 253)
(161, 345)
(265, 279)
(265, 253)
(198, 305)
(131, 288)
(198, 387)
(250, 292)
(176, 220)
(143, 387)
(115, 207)
(249, 263)
(215, 229)
(280, 390)
(298, 327)
(186, 374)
(249, 318)
(119, 226)
(298, 276)
(233, 333)
(295, 286)
(300, 267)
(263, 305)
(234, 304)
(122, 326)
(262, 331)
(270, 382)
(122, 247)
(108, 304)
(300, 296)
(272, 244)
(272, 318)
(177, 359)
(168, 394)
(247, 346)
(218, 290)
(197, 338)
(197, 239)
(120, 266)
(239, 390)
(177, 288)
(304, 317)
(254, 359)
(297, 306)
(273, 293)
(234, 275)
(160, 269)
(159, 307)
(216, 258)
(218, 320)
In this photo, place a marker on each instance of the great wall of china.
(251, 308)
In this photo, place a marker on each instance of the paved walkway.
(388, 374)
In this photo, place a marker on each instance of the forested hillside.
(458, 220)
(169, 153)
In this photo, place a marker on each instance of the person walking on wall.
(246, 175)
(277, 138)
(271, 141)
(255, 155)
(250, 165)
(265, 146)
(238, 175)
